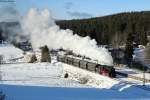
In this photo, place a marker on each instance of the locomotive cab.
(105, 70)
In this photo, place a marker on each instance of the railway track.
(144, 87)
(126, 82)
(133, 77)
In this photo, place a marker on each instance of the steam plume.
(42, 30)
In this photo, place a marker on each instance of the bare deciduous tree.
(147, 55)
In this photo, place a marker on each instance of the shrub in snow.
(2, 96)
(83, 80)
(66, 75)
(45, 55)
(33, 58)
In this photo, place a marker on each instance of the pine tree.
(129, 49)
(45, 56)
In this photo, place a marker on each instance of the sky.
(73, 9)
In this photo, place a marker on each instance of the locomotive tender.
(90, 66)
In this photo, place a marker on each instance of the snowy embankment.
(45, 74)
(19, 72)
(93, 79)
(9, 52)
(44, 81)
(38, 74)
(51, 75)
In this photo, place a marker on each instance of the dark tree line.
(112, 29)
(9, 31)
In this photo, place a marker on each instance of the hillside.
(112, 29)
(9, 31)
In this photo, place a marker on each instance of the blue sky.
(72, 9)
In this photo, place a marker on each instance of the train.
(90, 66)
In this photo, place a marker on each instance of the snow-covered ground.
(54, 93)
(8, 52)
(39, 74)
(45, 81)
(94, 80)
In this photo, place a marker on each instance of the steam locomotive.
(90, 66)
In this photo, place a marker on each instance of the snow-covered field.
(9, 52)
(39, 74)
(45, 81)
(15, 92)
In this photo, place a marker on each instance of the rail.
(133, 77)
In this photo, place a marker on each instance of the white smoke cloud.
(42, 30)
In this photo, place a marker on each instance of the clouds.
(69, 6)
(7, 1)
(79, 14)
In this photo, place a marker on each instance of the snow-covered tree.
(45, 55)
